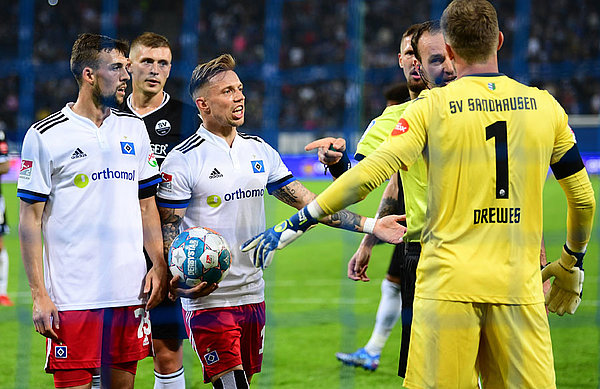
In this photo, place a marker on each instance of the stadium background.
(310, 68)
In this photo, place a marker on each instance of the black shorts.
(167, 317)
(167, 320)
(395, 268)
(408, 277)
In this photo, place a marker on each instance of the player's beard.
(103, 100)
(416, 86)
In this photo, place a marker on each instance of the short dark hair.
(432, 27)
(409, 32)
(397, 92)
(471, 28)
(150, 39)
(86, 50)
(204, 72)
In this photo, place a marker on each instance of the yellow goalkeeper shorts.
(452, 344)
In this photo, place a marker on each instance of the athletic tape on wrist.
(369, 225)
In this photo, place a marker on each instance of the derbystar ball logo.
(401, 127)
(26, 167)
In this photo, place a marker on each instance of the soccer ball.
(199, 254)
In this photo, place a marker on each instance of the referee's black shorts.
(395, 267)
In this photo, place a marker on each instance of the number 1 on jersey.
(498, 131)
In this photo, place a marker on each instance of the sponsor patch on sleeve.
(26, 167)
(401, 127)
(166, 183)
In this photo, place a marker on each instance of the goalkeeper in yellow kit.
(487, 141)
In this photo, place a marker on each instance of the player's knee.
(235, 379)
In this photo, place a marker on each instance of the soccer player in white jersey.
(87, 183)
(217, 178)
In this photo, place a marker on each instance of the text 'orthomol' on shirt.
(223, 188)
(91, 179)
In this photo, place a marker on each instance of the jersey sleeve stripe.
(273, 186)
(52, 123)
(569, 164)
(154, 180)
(46, 119)
(166, 203)
(31, 196)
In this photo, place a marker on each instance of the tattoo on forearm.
(343, 219)
(388, 206)
(170, 223)
(286, 195)
(294, 194)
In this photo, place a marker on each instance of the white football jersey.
(90, 178)
(222, 188)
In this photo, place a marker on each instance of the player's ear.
(88, 75)
(128, 66)
(400, 60)
(500, 40)
(449, 51)
(202, 104)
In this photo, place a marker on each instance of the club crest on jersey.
(491, 86)
(162, 127)
(127, 148)
(26, 167)
(211, 357)
(258, 166)
(60, 352)
(401, 127)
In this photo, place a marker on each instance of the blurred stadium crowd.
(313, 34)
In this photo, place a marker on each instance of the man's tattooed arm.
(170, 219)
(297, 195)
(390, 203)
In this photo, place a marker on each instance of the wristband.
(338, 168)
(369, 225)
(579, 257)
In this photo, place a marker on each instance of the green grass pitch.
(313, 311)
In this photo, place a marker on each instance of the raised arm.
(157, 275)
(45, 313)
(296, 195)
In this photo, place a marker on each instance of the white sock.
(174, 380)
(3, 271)
(388, 313)
(96, 381)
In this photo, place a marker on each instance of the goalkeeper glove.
(277, 237)
(565, 293)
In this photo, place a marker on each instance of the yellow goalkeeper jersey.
(414, 180)
(487, 141)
